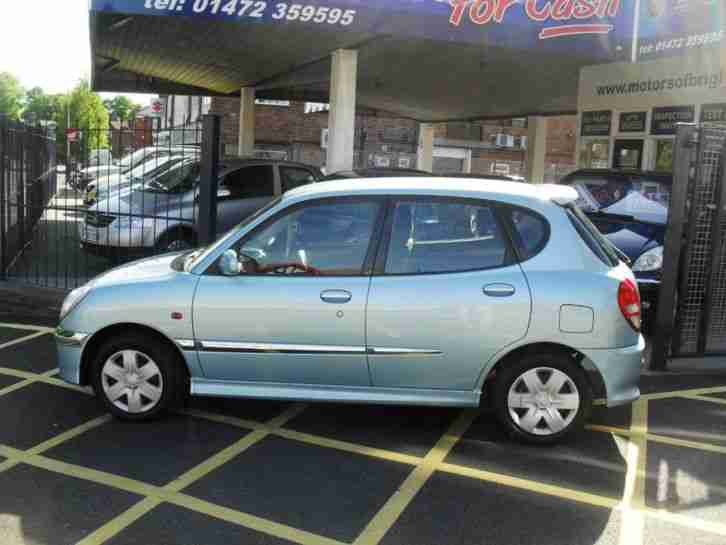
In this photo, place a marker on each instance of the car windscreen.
(132, 159)
(154, 167)
(643, 198)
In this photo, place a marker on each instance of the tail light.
(629, 302)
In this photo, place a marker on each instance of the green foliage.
(41, 107)
(121, 108)
(11, 96)
(87, 113)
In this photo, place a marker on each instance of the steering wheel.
(288, 268)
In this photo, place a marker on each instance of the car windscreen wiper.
(620, 218)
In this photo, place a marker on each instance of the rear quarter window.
(530, 231)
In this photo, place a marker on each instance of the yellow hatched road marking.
(396, 504)
(171, 491)
(532, 486)
(682, 393)
(22, 340)
(633, 521)
(247, 520)
(309, 438)
(46, 378)
(717, 400)
(27, 327)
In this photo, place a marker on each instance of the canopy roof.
(423, 59)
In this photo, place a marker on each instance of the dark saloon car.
(631, 209)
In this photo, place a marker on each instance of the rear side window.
(292, 177)
(439, 236)
(250, 182)
(592, 237)
(531, 232)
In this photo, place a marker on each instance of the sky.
(45, 43)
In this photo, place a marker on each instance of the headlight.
(652, 260)
(73, 298)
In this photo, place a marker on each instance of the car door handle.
(499, 290)
(336, 296)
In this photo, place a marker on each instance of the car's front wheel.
(542, 398)
(137, 378)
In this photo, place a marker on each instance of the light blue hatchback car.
(423, 291)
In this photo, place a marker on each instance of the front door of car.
(241, 193)
(447, 295)
(297, 315)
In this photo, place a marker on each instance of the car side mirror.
(229, 264)
(223, 193)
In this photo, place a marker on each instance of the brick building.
(290, 130)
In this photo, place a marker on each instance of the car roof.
(515, 193)
(227, 163)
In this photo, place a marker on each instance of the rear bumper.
(620, 371)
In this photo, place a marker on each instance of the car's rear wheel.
(136, 377)
(542, 398)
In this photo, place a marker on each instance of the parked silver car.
(160, 212)
(423, 291)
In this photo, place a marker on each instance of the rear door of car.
(447, 294)
(243, 191)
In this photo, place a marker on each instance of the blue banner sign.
(599, 29)
(674, 27)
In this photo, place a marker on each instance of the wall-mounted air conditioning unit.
(505, 141)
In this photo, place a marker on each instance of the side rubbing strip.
(403, 352)
(273, 348)
(186, 344)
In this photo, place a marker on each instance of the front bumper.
(620, 370)
(69, 347)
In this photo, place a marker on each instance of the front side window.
(292, 177)
(250, 182)
(330, 239)
(437, 236)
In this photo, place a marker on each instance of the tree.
(40, 107)
(11, 95)
(121, 108)
(87, 113)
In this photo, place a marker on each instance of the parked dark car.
(631, 209)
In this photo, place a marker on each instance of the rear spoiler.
(559, 194)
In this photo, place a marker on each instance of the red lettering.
(614, 8)
(481, 11)
(457, 12)
(502, 8)
(562, 10)
(584, 9)
(535, 14)
(602, 8)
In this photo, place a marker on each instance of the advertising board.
(600, 29)
(673, 27)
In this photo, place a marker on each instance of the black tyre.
(542, 398)
(137, 378)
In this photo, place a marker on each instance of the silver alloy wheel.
(132, 381)
(543, 401)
